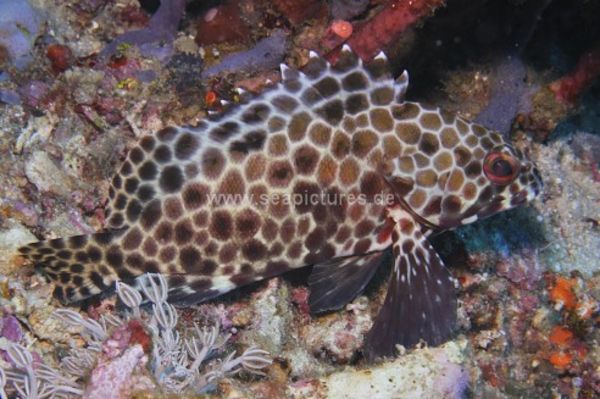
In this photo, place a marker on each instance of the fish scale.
(329, 168)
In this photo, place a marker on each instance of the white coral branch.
(177, 363)
(154, 287)
(37, 383)
(2, 384)
(90, 327)
(130, 297)
(253, 360)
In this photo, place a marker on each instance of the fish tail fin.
(80, 266)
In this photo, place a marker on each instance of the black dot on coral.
(171, 179)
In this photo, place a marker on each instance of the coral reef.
(127, 353)
(80, 80)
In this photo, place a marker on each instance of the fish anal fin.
(420, 303)
(188, 289)
(337, 282)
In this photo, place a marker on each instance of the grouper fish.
(330, 168)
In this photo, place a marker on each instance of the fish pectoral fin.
(338, 281)
(420, 303)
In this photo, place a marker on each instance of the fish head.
(460, 172)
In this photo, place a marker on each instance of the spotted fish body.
(330, 168)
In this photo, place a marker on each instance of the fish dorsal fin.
(338, 281)
(355, 85)
(420, 303)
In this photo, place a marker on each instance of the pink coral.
(116, 378)
(523, 270)
(569, 87)
(337, 33)
(396, 17)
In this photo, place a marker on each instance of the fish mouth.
(538, 186)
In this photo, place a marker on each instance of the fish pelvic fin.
(338, 281)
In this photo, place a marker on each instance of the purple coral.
(508, 88)
(266, 54)
(162, 28)
(10, 328)
(19, 26)
(33, 380)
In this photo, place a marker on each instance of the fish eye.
(501, 168)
